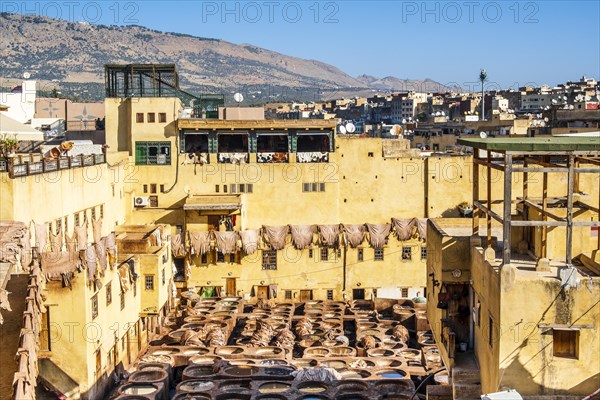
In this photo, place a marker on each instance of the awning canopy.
(213, 203)
(12, 127)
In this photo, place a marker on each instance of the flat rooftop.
(553, 143)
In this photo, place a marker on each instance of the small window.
(94, 306)
(269, 259)
(288, 294)
(108, 293)
(329, 294)
(216, 188)
(153, 188)
(232, 258)
(162, 117)
(404, 293)
(241, 188)
(139, 118)
(310, 253)
(204, 258)
(145, 188)
(164, 277)
(151, 118)
(153, 201)
(374, 292)
(378, 255)
(149, 282)
(321, 187)
(123, 299)
(565, 343)
(361, 254)
(370, 154)
(423, 253)
(224, 188)
(98, 362)
(324, 254)
(162, 188)
(220, 257)
(152, 153)
(406, 253)
(339, 253)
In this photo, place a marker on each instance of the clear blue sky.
(449, 41)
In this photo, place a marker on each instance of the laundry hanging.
(55, 264)
(404, 228)
(102, 255)
(302, 235)
(56, 240)
(275, 236)
(81, 233)
(199, 242)
(329, 235)
(97, 229)
(90, 262)
(41, 237)
(226, 242)
(355, 234)
(250, 241)
(378, 234)
(422, 228)
(177, 245)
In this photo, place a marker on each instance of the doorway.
(262, 292)
(230, 287)
(358, 294)
(306, 295)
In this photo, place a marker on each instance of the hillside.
(75, 53)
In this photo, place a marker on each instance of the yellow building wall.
(486, 285)
(526, 355)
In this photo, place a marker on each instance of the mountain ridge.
(75, 53)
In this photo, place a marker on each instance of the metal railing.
(36, 164)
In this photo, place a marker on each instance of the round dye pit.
(274, 387)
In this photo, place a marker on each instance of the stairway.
(466, 383)
(55, 379)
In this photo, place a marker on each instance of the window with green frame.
(152, 153)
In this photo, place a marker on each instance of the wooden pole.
(544, 249)
(507, 208)
(489, 200)
(570, 186)
(475, 193)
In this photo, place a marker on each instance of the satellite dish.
(396, 130)
(26, 75)
(403, 120)
(238, 97)
(192, 101)
(483, 135)
(342, 129)
(350, 127)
